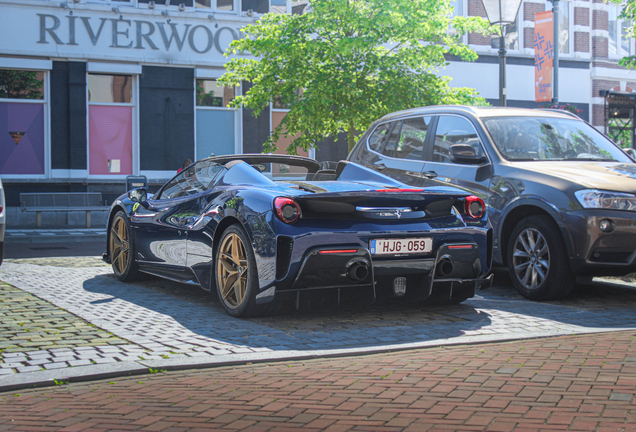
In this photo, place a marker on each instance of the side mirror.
(138, 195)
(631, 153)
(465, 154)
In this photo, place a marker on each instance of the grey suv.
(561, 196)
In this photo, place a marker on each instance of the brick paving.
(573, 383)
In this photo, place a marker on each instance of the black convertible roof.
(256, 158)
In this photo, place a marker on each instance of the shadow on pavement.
(196, 313)
(500, 310)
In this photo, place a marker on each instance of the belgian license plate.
(401, 246)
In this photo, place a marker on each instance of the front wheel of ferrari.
(121, 248)
(235, 271)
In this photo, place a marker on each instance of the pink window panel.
(110, 140)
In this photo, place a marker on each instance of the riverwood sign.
(133, 34)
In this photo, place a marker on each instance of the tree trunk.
(351, 136)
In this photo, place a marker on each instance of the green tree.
(346, 63)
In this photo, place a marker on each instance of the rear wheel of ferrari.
(537, 260)
(236, 277)
(121, 247)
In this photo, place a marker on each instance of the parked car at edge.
(261, 228)
(560, 195)
(3, 213)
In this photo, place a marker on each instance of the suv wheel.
(537, 260)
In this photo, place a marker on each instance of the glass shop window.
(256, 6)
(279, 6)
(110, 88)
(219, 5)
(211, 94)
(17, 84)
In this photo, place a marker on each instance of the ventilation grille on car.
(284, 246)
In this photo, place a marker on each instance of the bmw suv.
(561, 196)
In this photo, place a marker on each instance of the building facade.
(92, 91)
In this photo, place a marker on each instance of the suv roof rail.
(571, 114)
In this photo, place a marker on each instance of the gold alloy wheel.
(231, 270)
(119, 245)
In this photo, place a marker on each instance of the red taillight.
(474, 206)
(287, 210)
(346, 251)
(460, 246)
(399, 190)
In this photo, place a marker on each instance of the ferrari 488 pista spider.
(260, 229)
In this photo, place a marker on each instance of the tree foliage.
(346, 63)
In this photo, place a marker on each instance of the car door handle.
(429, 174)
(380, 167)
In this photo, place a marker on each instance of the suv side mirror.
(631, 153)
(465, 154)
(138, 195)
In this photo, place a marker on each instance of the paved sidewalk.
(13, 236)
(574, 383)
(158, 324)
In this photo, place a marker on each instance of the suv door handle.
(380, 167)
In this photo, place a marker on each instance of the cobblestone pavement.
(575, 383)
(36, 335)
(162, 323)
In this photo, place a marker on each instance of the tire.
(537, 260)
(122, 249)
(236, 275)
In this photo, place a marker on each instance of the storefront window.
(21, 84)
(110, 124)
(110, 88)
(279, 6)
(112, 1)
(300, 7)
(211, 94)
(618, 41)
(564, 28)
(256, 6)
(22, 113)
(512, 35)
(220, 5)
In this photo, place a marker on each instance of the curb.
(38, 239)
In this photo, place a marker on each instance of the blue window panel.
(215, 132)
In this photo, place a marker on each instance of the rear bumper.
(453, 266)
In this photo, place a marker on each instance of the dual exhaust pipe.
(358, 268)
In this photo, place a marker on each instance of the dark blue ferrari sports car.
(262, 229)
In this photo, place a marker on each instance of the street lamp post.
(502, 12)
